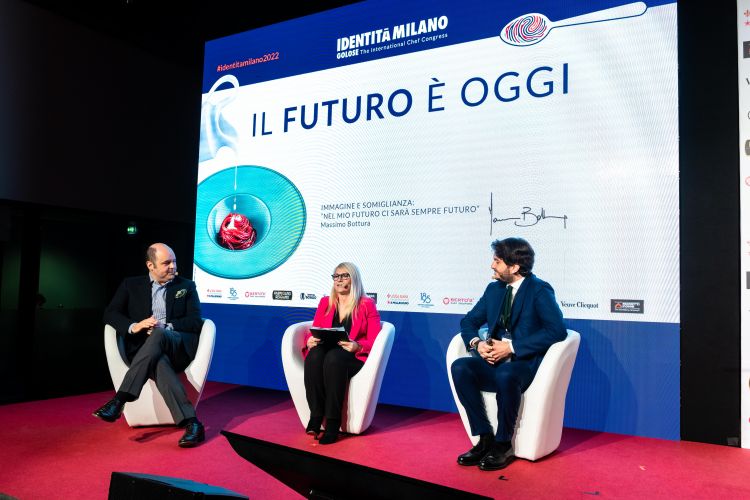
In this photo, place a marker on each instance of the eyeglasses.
(342, 276)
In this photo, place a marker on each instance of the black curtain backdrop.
(709, 223)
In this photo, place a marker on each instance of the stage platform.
(56, 449)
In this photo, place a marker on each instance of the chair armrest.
(117, 366)
(375, 356)
(197, 370)
(291, 352)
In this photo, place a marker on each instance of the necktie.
(505, 308)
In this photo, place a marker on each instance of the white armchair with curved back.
(540, 419)
(150, 408)
(364, 387)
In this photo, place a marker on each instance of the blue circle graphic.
(269, 200)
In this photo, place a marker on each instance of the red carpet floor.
(56, 449)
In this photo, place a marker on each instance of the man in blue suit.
(523, 321)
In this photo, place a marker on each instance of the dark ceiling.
(178, 30)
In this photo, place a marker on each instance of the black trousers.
(161, 358)
(327, 373)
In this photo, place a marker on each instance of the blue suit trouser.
(508, 380)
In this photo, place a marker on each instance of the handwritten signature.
(527, 217)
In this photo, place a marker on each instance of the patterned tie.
(505, 308)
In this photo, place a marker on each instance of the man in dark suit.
(159, 318)
(523, 321)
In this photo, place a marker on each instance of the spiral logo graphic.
(526, 29)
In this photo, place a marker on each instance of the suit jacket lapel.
(148, 304)
(493, 307)
(518, 302)
(355, 324)
(169, 300)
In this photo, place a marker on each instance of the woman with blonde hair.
(328, 368)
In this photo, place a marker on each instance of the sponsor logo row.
(423, 299)
(234, 294)
(625, 306)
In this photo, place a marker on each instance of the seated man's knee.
(156, 335)
(505, 379)
(460, 368)
(155, 341)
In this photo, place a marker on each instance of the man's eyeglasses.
(342, 276)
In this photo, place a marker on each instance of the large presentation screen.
(407, 139)
(406, 136)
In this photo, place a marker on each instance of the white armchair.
(540, 418)
(150, 408)
(364, 387)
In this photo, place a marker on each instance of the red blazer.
(365, 324)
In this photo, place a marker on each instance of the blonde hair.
(356, 291)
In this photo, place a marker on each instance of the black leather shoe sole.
(468, 461)
(105, 413)
(328, 438)
(106, 419)
(192, 442)
(195, 435)
(472, 457)
(496, 464)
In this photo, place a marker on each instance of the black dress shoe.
(194, 434)
(331, 434)
(497, 459)
(478, 452)
(110, 411)
(313, 426)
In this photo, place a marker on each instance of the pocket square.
(180, 293)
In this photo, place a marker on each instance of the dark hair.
(515, 251)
